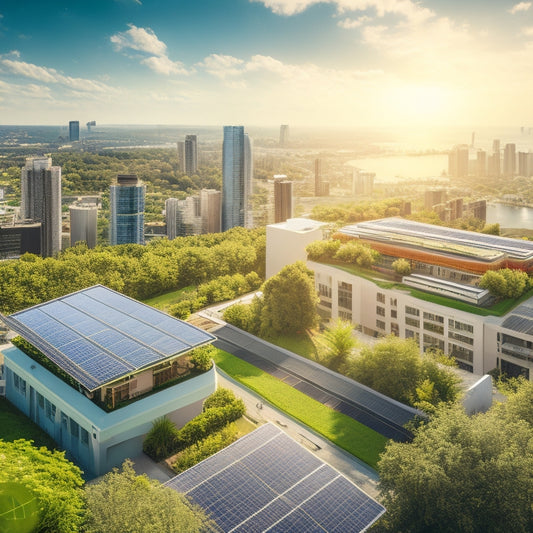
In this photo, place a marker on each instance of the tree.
(401, 266)
(202, 357)
(505, 283)
(336, 345)
(289, 301)
(54, 481)
(123, 502)
(460, 473)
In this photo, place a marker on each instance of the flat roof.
(441, 239)
(301, 225)
(266, 481)
(98, 335)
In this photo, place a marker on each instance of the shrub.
(161, 440)
(220, 398)
(202, 357)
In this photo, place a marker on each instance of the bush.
(220, 398)
(160, 441)
(202, 357)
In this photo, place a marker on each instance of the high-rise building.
(434, 196)
(210, 208)
(481, 164)
(83, 224)
(283, 135)
(318, 177)
(181, 156)
(362, 182)
(127, 210)
(19, 238)
(74, 130)
(191, 155)
(458, 161)
(282, 199)
(509, 160)
(40, 189)
(237, 172)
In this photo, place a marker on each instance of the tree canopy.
(55, 483)
(123, 502)
(336, 345)
(505, 283)
(460, 473)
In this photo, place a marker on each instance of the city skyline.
(303, 62)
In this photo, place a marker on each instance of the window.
(40, 400)
(20, 384)
(394, 313)
(412, 322)
(409, 334)
(380, 297)
(74, 428)
(412, 311)
(393, 302)
(395, 329)
(324, 290)
(434, 318)
(432, 342)
(460, 326)
(325, 304)
(460, 352)
(345, 295)
(428, 326)
(50, 410)
(84, 434)
(460, 338)
(345, 315)
(380, 324)
(380, 311)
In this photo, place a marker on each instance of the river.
(509, 216)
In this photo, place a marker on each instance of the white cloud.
(163, 65)
(527, 31)
(522, 6)
(222, 66)
(50, 75)
(349, 23)
(407, 8)
(141, 39)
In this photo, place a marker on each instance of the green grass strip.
(345, 432)
(163, 301)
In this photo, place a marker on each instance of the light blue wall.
(112, 437)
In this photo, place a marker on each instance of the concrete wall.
(478, 398)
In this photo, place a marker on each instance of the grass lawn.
(355, 438)
(164, 301)
(15, 425)
(299, 343)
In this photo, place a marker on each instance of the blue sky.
(341, 63)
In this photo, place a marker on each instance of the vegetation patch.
(345, 432)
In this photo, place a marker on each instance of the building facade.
(127, 210)
(282, 199)
(210, 207)
(83, 224)
(237, 173)
(41, 201)
(74, 130)
(191, 155)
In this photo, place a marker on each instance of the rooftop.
(98, 336)
(300, 225)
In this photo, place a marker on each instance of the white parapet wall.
(478, 398)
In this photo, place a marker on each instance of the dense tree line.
(506, 283)
(135, 270)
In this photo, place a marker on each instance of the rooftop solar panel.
(267, 482)
(98, 335)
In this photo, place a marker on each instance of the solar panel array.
(513, 247)
(267, 482)
(98, 335)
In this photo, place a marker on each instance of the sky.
(306, 63)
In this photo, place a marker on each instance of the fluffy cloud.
(222, 66)
(141, 39)
(146, 41)
(407, 8)
(522, 6)
(349, 23)
(50, 75)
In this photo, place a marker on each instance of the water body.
(509, 216)
(389, 169)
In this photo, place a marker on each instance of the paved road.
(258, 409)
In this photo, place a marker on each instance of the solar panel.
(98, 335)
(265, 481)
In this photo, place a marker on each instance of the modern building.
(362, 182)
(183, 217)
(282, 198)
(321, 186)
(211, 210)
(83, 224)
(509, 160)
(481, 164)
(181, 155)
(74, 130)
(19, 238)
(40, 189)
(445, 267)
(108, 367)
(127, 210)
(458, 161)
(237, 173)
(191, 155)
(434, 196)
(283, 135)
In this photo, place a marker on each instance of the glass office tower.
(127, 210)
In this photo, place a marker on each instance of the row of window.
(47, 406)
(75, 429)
(20, 384)
(433, 317)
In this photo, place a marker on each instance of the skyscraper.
(41, 200)
(282, 199)
(458, 161)
(191, 155)
(74, 130)
(237, 172)
(283, 135)
(210, 204)
(127, 210)
(83, 224)
(181, 156)
(509, 160)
